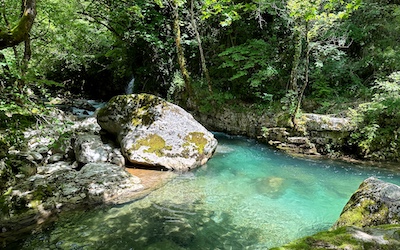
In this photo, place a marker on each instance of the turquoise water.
(248, 196)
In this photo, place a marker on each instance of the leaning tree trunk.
(15, 35)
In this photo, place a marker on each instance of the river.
(248, 196)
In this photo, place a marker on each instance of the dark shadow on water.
(159, 226)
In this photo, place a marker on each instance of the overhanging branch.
(19, 33)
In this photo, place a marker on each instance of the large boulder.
(374, 203)
(154, 132)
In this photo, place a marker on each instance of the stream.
(248, 196)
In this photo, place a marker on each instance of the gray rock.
(298, 140)
(117, 158)
(374, 203)
(90, 148)
(276, 134)
(107, 181)
(153, 132)
(55, 158)
(316, 122)
(95, 182)
(35, 156)
(43, 150)
(237, 122)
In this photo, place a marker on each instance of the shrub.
(378, 121)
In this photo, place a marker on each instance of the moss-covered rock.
(354, 238)
(154, 132)
(374, 203)
(370, 220)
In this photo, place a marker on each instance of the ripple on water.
(247, 197)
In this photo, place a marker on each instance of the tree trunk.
(305, 84)
(296, 61)
(294, 75)
(180, 53)
(202, 57)
(13, 36)
(27, 56)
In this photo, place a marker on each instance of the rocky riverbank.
(316, 135)
(72, 163)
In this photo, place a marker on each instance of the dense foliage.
(318, 56)
(378, 134)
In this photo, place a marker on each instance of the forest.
(329, 57)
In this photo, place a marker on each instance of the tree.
(311, 22)
(11, 36)
(377, 135)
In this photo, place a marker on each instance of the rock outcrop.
(237, 122)
(374, 203)
(66, 165)
(329, 134)
(153, 132)
(318, 134)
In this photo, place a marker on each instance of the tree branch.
(19, 33)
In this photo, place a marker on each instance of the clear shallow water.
(247, 197)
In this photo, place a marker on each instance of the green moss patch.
(355, 216)
(196, 138)
(154, 143)
(342, 238)
(139, 109)
(360, 215)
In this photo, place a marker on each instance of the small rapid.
(248, 196)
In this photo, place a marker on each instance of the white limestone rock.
(90, 148)
(154, 132)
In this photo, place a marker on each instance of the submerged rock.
(374, 203)
(154, 132)
(273, 187)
